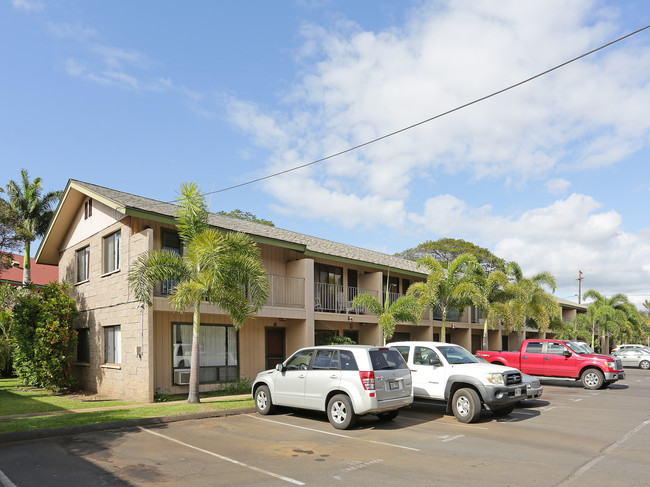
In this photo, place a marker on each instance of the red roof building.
(41, 273)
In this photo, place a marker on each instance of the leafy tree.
(7, 298)
(9, 241)
(453, 288)
(32, 212)
(404, 309)
(445, 250)
(498, 291)
(225, 269)
(246, 215)
(43, 337)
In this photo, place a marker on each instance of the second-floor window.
(112, 252)
(112, 344)
(83, 264)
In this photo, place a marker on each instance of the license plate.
(517, 392)
(392, 385)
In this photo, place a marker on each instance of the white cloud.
(356, 85)
(28, 5)
(557, 186)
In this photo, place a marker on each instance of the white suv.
(344, 380)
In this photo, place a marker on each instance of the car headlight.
(495, 378)
(611, 365)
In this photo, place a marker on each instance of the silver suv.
(345, 380)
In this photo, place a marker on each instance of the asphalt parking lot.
(570, 437)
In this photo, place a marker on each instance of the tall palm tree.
(405, 309)
(498, 291)
(449, 289)
(614, 308)
(532, 302)
(33, 212)
(225, 269)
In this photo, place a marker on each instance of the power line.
(477, 100)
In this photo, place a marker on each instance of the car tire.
(644, 364)
(592, 379)
(503, 411)
(263, 401)
(466, 405)
(388, 416)
(340, 412)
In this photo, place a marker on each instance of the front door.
(556, 364)
(428, 380)
(275, 351)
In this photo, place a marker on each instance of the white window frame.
(113, 344)
(83, 268)
(112, 248)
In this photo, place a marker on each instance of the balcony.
(335, 298)
(284, 291)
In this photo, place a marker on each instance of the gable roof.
(139, 206)
(41, 274)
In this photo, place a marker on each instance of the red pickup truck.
(560, 358)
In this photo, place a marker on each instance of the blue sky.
(141, 96)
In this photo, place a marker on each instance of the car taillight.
(367, 379)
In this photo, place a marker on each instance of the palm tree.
(498, 291)
(32, 211)
(225, 269)
(405, 309)
(452, 289)
(613, 311)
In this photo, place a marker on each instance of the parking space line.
(587, 466)
(442, 422)
(333, 434)
(4, 480)
(221, 457)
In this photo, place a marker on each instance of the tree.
(246, 215)
(453, 288)
(613, 314)
(225, 269)
(404, 309)
(445, 250)
(9, 241)
(43, 337)
(498, 291)
(32, 212)
(531, 303)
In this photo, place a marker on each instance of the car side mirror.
(567, 353)
(434, 361)
(280, 368)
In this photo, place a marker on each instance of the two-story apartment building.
(127, 351)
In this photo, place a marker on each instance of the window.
(83, 264)
(555, 348)
(83, 345)
(423, 356)
(300, 360)
(218, 349)
(534, 347)
(326, 359)
(170, 241)
(112, 252)
(88, 209)
(113, 344)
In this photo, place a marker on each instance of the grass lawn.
(15, 399)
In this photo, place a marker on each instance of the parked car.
(634, 357)
(449, 373)
(562, 359)
(630, 346)
(534, 387)
(346, 381)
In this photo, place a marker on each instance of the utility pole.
(580, 278)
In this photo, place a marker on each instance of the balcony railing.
(335, 298)
(284, 291)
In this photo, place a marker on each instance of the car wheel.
(503, 411)
(592, 379)
(466, 405)
(388, 416)
(340, 412)
(644, 364)
(263, 402)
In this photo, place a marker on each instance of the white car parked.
(344, 380)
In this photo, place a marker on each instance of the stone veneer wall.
(105, 300)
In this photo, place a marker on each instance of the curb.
(127, 423)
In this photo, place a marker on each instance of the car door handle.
(412, 370)
(547, 358)
(334, 376)
(525, 357)
(302, 376)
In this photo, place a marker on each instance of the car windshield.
(457, 355)
(579, 347)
